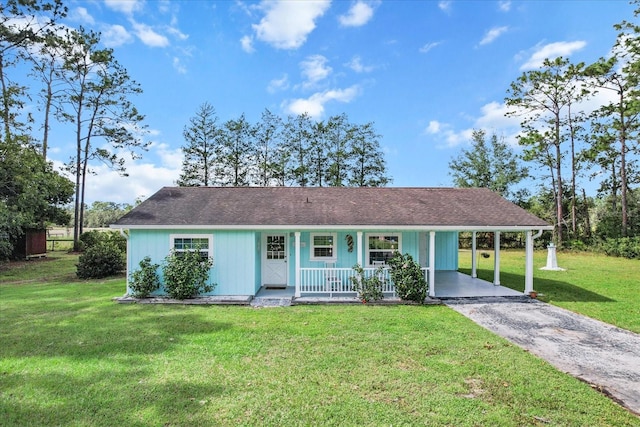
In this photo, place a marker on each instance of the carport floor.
(596, 352)
(453, 284)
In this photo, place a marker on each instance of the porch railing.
(337, 280)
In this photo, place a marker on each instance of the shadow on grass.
(59, 323)
(553, 290)
(98, 399)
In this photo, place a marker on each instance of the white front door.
(274, 260)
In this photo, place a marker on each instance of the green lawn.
(70, 356)
(601, 287)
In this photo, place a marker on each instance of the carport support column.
(474, 260)
(359, 248)
(496, 259)
(297, 244)
(432, 263)
(528, 269)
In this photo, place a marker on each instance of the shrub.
(101, 260)
(144, 280)
(186, 274)
(577, 245)
(628, 247)
(408, 278)
(368, 287)
(94, 237)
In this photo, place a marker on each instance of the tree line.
(280, 152)
(75, 83)
(568, 143)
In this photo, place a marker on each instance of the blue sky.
(425, 72)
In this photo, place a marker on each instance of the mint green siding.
(234, 256)
(447, 250)
(234, 262)
(237, 255)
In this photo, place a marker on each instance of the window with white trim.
(276, 247)
(323, 246)
(202, 243)
(382, 247)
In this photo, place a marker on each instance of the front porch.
(450, 284)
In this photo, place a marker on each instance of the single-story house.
(309, 238)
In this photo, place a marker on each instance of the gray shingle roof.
(244, 207)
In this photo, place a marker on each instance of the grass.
(601, 287)
(70, 356)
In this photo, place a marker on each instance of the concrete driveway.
(598, 353)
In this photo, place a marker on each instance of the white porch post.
(432, 263)
(297, 243)
(528, 270)
(474, 261)
(359, 249)
(496, 259)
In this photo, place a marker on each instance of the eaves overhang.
(416, 227)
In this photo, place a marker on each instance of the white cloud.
(116, 35)
(149, 36)
(164, 6)
(179, 66)
(314, 69)
(314, 105)
(80, 14)
(504, 6)
(552, 51)
(434, 127)
(356, 65)
(427, 47)
(445, 5)
(144, 180)
(277, 85)
(247, 44)
(125, 6)
(492, 119)
(287, 24)
(174, 31)
(493, 116)
(358, 15)
(493, 34)
(170, 157)
(447, 137)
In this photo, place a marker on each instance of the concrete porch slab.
(453, 284)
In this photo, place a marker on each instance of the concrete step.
(271, 301)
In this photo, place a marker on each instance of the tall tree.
(339, 135)
(616, 124)
(368, 167)
(268, 156)
(494, 166)
(543, 98)
(47, 69)
(22, 25)
(297, 134)
(237, 152)
(97, 93)
(200, 166)
(318, 154)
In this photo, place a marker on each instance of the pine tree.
(200, 166)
